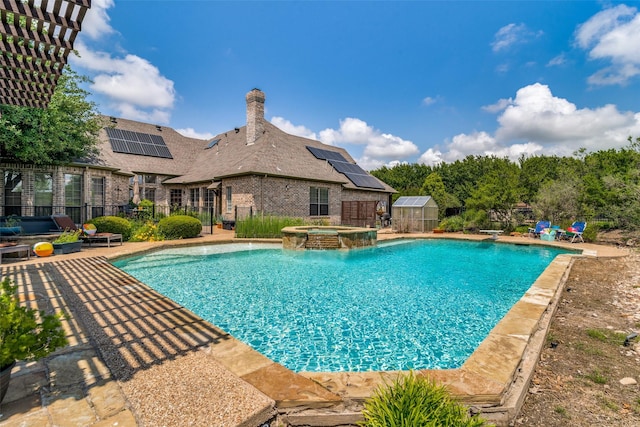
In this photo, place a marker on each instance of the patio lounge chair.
(64, 223)
(539, 228)
(574, 233)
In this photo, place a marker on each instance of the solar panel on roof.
(366, 181)
(344, 167)
(213, 143)
(358, 176)
(142, 144)
(326, 154)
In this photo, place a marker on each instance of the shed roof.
(411, 201)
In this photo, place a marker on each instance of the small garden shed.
(414, 214)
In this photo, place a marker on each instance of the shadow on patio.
(120, 329)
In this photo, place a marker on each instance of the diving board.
(494, 233)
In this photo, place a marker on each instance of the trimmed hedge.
(113, 224)
(180, 227)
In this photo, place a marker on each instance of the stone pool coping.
(494, 379)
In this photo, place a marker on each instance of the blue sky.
(390, 81)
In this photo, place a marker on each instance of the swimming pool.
(423, 304)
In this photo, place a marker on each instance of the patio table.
(15, 249)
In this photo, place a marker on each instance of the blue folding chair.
(539, 228)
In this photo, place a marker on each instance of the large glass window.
(150, 179)
(43, 194)
(209, 197)
(319, 201)
(12, 193)
(97, 197)
(229, 204)
(73, 197)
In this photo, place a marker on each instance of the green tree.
(65, 131)
(434, 187)
(557, 201)
(497, 193)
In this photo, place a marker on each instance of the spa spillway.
(328, 237)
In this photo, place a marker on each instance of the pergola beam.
(35, 42)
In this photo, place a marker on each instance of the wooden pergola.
(36, 37)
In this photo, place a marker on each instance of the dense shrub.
(113, 224)
(180, 227)
(590, 233)
(452, 224)
(415, 401)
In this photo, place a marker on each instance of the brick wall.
(288, 197)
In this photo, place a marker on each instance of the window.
(175, 197)
(209, 197)
(195, 197)
(97, 197)
(229, 205)
(73, 197)
(12, 193)
(150, 194)
(43, 194)
(150, 179)
(319, 201)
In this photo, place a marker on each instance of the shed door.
(359, 214)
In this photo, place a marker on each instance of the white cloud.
(292, 129)
(132, 86)
(379, 147)
(557, 61)
(536, 122)
(539, 117)
(511, 35)
(498, 106)
(428, 101)
(192, 133)
(614, 35)
(96, 21)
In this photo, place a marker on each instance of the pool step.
(322, 241)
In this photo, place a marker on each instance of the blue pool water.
(424, 304)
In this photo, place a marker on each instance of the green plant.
(267, 226)
(562, 411)
(11, 221)
(146, 232)
(597, 377)
(414, 400)
(590, 233)
(68, 237)
(179, 227)
(597, 334)
(608, 403)
(26, 333)
(145, 209)
(607, 336)
(452, 224)
(113, 224)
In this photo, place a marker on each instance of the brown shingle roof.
(275, 153)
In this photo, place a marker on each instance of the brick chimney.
(255, 115)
